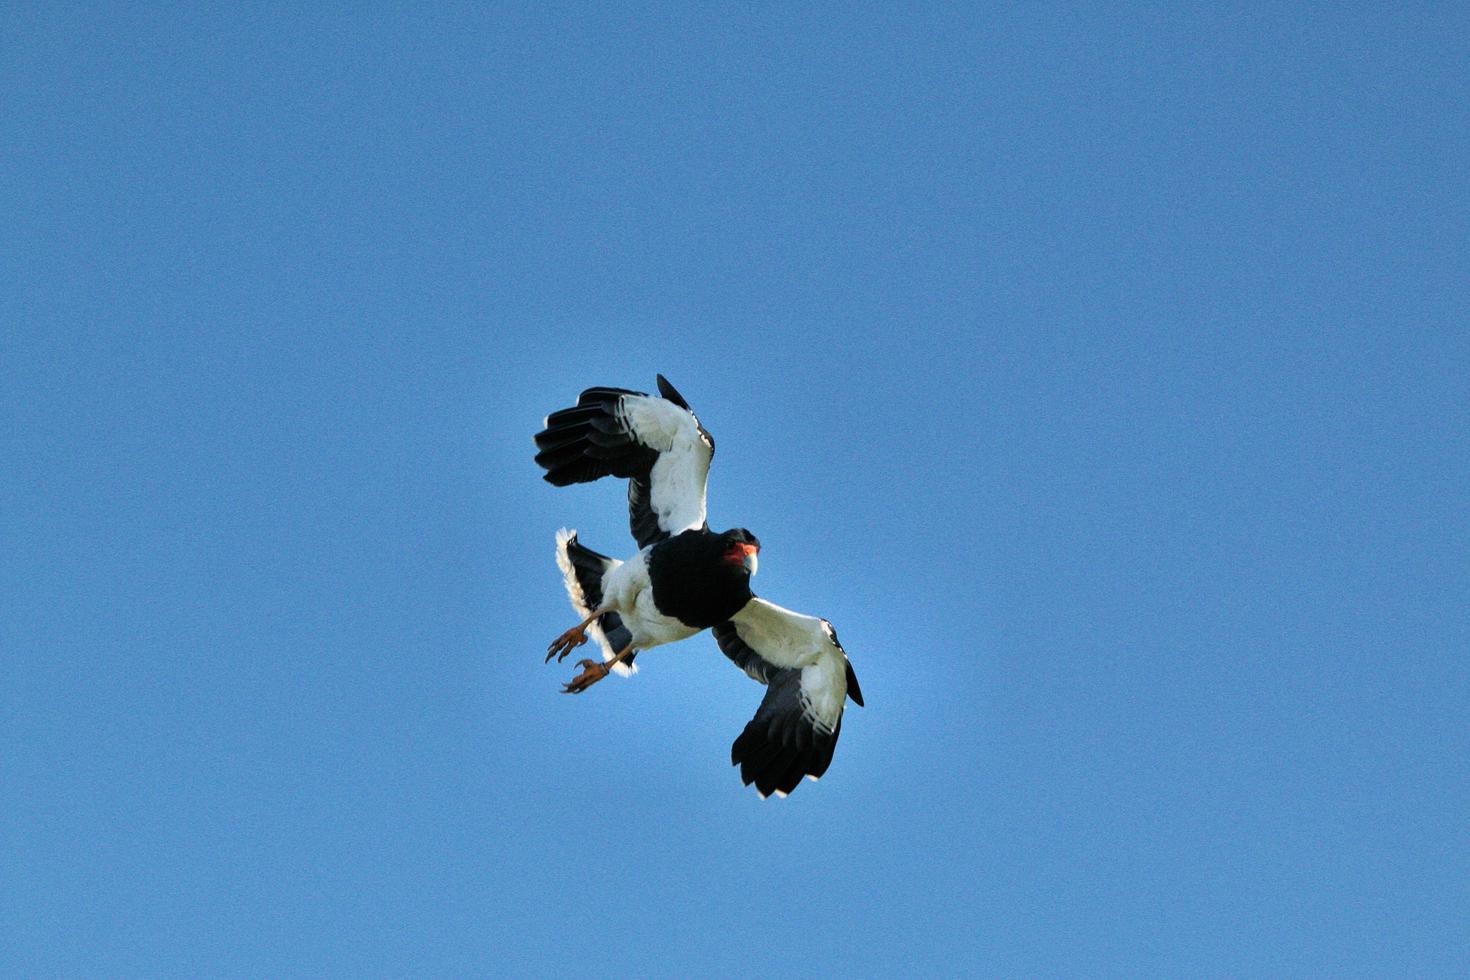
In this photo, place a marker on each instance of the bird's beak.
(750, 560)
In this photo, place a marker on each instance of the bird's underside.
(686, 578)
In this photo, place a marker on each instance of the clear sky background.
(1102, 372)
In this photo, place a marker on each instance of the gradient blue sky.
(1102, 372)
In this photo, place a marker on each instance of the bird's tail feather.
(582, 573)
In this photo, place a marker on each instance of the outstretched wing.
(808, 681)
(655, 443)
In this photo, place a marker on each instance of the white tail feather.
(579, 602)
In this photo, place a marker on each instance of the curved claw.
(565, 644)
(592, 673)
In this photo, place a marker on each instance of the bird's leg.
(572, 638)
(592, 671)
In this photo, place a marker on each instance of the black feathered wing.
(808, 680)
(655, 443)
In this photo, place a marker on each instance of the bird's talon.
(565, 644)
(592, 673)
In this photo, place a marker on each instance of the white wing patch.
(791, 639)
(806, 673)
(657, 422)
(783, 637)
(823, 691)
(678, 476)
(803, 642)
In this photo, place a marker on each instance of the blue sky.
(1101, 372)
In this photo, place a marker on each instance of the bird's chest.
(651, 627)
(630, 589)
(699, 597)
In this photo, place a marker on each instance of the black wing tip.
(601, 395)
(670, 392)
(853, 691)
(778, 767)
(586, 442)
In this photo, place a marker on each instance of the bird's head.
(741, 548)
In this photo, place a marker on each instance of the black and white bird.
(687, 578)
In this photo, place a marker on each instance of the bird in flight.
(686, 578)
